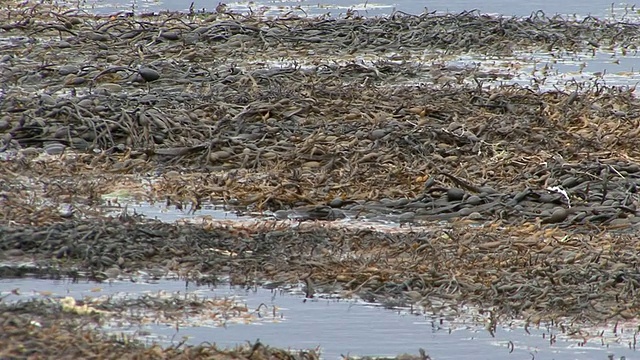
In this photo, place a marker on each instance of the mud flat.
(521, 201)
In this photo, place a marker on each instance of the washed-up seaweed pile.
(230, 34)
(446, 150)
(529, 272)
(204, 93)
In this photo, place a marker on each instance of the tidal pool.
(162, 212)
(335, 327)
(220, 214)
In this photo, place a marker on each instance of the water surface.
(336, 327)
(599, 8)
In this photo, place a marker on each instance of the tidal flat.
(437, 164)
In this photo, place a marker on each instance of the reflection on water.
(339, 327)
(546, 71)
(171, 213)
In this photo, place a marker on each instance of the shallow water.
(335, 326)
(221, 214)
(159, 211)
(544, 71)
(600, 8)
(349, 326)
(536, 69)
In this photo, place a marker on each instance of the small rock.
(54, 148)
(474, 200)
(336, 203)
(219, 155)
(378, 134)
(570, 182)
(72, 80)
(487, 190)
(68, 69)
(96, 36)
(172, 174)
(4, 124)
(475, 216)
(455, 194)
(465, 211)
(86, 103)
(170, 35)
(148, 74)
(47, 99)
(282, 214)
(401, 202)
(557, 216)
